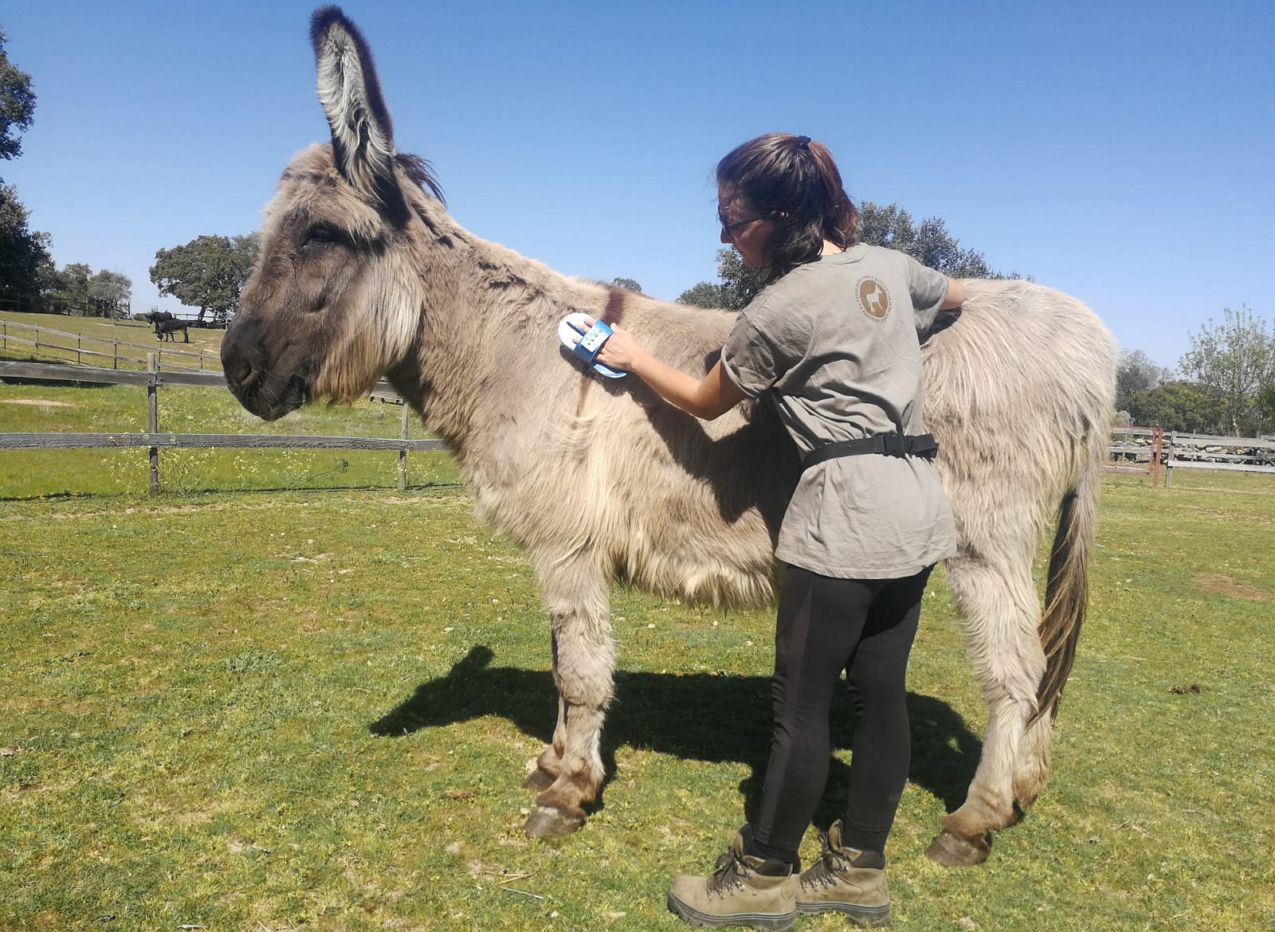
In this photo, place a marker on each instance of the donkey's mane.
(420, 173)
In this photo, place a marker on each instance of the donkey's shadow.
(697, 716)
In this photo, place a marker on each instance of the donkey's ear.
(362, 134)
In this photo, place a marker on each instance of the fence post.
(115, 354)
(402, 453)
(78, 360)
(1157, 454)
(1168, 459)
(152, 417)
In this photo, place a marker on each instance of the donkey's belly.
(689, 549)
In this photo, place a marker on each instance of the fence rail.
(203, 359)
(92, 375)
(154, 440)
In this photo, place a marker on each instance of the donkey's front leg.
(583, 661)
(549, 763)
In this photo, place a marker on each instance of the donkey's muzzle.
(251, 379)
(242, 358)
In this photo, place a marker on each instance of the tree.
(17, 104)
(892, 226)
(25, 264)
(1176, 406)
(75, 288)
(1268, 407)
(930, 243)
(73, 285)
(627, 284)
(1234, 362)
(209, 272)
(737, 284)
(705, 294)
(1137, 373)
(110, 293)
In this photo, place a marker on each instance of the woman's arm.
(955, 295)
(707, 398)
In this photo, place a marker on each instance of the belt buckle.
(894, 445)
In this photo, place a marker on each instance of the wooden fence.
(45, 341)
(154, 441)
(1150, 448)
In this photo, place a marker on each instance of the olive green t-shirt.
(835, 343)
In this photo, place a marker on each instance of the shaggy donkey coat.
(362, 273)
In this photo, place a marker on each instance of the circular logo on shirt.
(873, 298)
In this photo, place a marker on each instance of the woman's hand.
(707, 398)
(621, 349)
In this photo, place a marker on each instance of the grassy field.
(259, 702)
(96, 334)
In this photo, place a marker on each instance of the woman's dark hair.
(793, 182)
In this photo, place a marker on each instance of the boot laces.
(831, 863)
(729, 874)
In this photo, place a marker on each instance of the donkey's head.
(333, 302)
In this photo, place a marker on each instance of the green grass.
(248, 709)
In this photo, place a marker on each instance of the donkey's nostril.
(238, 369)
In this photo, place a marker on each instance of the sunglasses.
(730, 228)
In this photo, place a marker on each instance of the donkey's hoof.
(538, 780)
(548, 822)
(953, 850)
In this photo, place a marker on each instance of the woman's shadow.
(697, 716)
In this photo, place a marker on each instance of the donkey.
(363, 273)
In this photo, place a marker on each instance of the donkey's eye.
(321, 235)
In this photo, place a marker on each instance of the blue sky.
(1121, 152)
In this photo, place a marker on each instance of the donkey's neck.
(481, 304)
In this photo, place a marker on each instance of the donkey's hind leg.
(583, 662)
(1001, 616)
(1031, 771)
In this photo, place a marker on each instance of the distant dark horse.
(167, 328)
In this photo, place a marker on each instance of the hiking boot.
(743, 891)
(835, 884)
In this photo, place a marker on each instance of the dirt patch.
(1225, 585)
(36, 402)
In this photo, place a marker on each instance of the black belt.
(922, 445)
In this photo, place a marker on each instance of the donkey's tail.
(1067, 588)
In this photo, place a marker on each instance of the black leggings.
(826, 625)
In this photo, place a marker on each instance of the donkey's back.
(692, 509)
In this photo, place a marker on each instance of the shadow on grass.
(696, 716)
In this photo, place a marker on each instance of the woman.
(833, 340)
